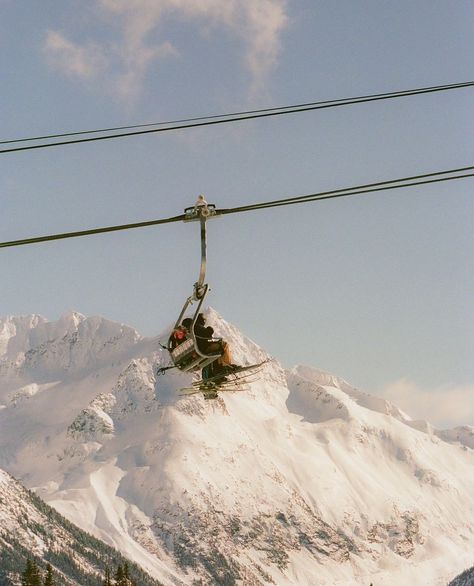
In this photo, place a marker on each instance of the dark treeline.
(110, 568)
(33, 575)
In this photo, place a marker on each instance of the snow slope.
(31, 529)
(302, 479)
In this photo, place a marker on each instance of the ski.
(210, 393)
(212, 386)
(235, 371)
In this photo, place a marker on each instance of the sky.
(376, 289)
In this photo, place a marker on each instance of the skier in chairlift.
(180, 333)
(209, 345)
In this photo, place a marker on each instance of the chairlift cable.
(321, 196)
(92, 231)
(356, 190)
(224, 118)
(349, 191)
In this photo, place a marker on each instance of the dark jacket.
(203, 336)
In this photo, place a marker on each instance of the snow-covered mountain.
(302, 479)
(30, 529)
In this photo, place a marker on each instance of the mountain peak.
(15, 332)
(70, 344)
(71, 319)
(295, 475)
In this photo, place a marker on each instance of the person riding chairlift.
(208, 345)
(180, 334)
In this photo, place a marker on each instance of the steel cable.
(344, 192)
(356, 190)
(224, 118)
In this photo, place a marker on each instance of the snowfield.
(300, 480)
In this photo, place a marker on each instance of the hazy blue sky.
(377, 289)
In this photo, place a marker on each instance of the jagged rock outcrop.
(464, 579)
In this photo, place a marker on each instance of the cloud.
(137, 60)
(266, 22)
(444, 407)
(141, 43)
(124, 64)
(84, 62)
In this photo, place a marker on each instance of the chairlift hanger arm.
(202, 271)
(201, 212)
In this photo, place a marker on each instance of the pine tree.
(122, 577)
(26, 575)
(119, 577)
(31, 575)
(125, 571)
(49, 578)
(126, 575)
(107, 581)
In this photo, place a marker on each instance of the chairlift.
(187, 356)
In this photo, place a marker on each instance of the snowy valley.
(299, 480)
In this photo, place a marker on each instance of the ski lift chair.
(187, 356)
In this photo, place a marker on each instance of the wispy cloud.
(444, 407)
(141, 42)
(81, 61)
(266, 22)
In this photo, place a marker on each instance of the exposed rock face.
(464, 579)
